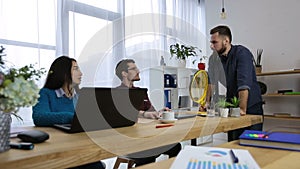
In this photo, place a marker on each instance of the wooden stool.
(123, 160)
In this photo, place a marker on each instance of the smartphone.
(22, 145)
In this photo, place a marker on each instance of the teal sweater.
(52, 109)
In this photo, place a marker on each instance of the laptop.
(184, 115)
(184, 105)
(105, 108)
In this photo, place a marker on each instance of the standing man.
(240, 76)
(128, 73)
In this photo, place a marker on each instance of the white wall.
(269, 24)
(273, 26)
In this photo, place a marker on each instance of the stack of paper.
(192, 157)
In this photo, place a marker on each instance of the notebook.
(105, 108)
(277, 140)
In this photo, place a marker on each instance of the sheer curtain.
(27, 32)
(98, 33)
(150, 26)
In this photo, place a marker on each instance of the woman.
(58, 97)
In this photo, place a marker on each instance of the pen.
(234, 157)
(163, 125)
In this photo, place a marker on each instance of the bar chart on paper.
(206, 164)
(213, 158)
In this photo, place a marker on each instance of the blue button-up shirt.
(240, 74)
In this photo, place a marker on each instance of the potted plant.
(182, 52)
(257, 62)
(223, 107)
(234, 107)
(17, 89)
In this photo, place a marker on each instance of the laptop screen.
(105, 108)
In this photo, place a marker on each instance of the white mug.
(168, 115)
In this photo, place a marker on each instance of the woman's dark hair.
(59, 73)
(222, 30)
(122, 66)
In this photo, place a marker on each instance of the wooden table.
(265, 158)
(66, 150)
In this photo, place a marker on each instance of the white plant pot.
(181, 63)
(235, 112)
(173, 62)
(224, 112)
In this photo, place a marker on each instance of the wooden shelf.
(278, 73)
(283, 118)
(287, 117)
(280, 95)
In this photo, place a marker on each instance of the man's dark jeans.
(255, 110)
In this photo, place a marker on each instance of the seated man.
(128, 73)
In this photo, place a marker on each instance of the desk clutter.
(192, 157)
(27, 139)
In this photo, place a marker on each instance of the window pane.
(17, 56)
(82, 28)
(20, 56)
(133, 7)
(28, 21)
(169, 7)
(47, 22)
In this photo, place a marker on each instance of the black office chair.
(147, 156)
(94, 165)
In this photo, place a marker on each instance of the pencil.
(163, 125)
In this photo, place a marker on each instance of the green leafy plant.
(201, 59)
(235, 102)
(28, 72)
(17, 86)
(183, 51)
(222, 103)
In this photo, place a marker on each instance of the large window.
(36, 32)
